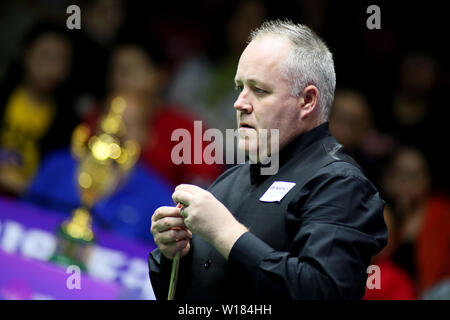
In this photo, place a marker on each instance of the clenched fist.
(208, 218)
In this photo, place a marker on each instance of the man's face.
(265, 100)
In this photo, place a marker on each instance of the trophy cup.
(103, 159)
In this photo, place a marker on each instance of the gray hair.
(310, 61)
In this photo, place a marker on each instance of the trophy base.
(72, 251)
(67, 261)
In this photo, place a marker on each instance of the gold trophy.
(103, 160)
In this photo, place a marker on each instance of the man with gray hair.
(306, 232)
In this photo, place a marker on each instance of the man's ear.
(309, 101)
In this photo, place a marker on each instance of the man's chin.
(254, 154)
(247, 147)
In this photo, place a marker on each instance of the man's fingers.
(170, 250)
(190, 188)
(163, 212)
(168, 223)
(183, 197)
(185, 250)
(171, 236)
(181, 244)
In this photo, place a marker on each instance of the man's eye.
(238, 88)
(258, 90)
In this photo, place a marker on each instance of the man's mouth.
(245, 126)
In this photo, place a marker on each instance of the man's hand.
(208, 218)
(170, 232)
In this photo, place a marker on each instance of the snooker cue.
(174, 273)
(174, 276)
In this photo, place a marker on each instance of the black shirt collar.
(296, 146)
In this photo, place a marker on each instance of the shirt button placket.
(208, 263)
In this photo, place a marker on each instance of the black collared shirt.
(314, 243)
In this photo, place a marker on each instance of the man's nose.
(242, 103)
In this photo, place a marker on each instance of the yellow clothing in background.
(24, 124)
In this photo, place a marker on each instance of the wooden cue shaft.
(174, 276)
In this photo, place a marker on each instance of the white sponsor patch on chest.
(277, 191)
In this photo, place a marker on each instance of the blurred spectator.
(35, 107)
(412, 104)
(136, 68)
(395, 282)
(352, 125)
(17, 17)
(101, 22)
(205, 83)
(126, 209)
(424, 219)
(350, 119)
(417, 115)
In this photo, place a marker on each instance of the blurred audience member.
(136, 68)
(102, 20)
(126, 209)
(17, 17)
(205, 83)
(424, 219)
(35, 108)
(417, 115)
(352, 125)
(418, 77)
(395, 282)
